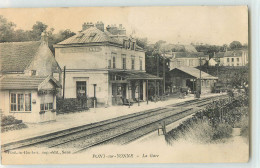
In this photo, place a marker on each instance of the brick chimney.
(44, 38)
(100, 26)
(87, 25)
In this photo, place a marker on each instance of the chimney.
(44, 38)
(100, 26)
(87, 25)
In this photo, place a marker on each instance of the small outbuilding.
(29, 81)
(189, 77)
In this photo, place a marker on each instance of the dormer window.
(80, 35)
(33, 72)
(92, 35)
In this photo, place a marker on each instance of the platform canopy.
(135, 75)
(194, 72)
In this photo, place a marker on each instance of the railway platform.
(71, 120)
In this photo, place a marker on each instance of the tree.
(37, 30)
(235, 45)
(142, 42)
(6, 30)
(56, 38)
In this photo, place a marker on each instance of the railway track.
(120, 130)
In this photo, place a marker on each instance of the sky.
(194, 24)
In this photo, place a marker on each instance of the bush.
(13, 127)
(9, 120)
(215, 122)
(244, 124)
(223, 130)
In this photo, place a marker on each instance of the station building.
(103, 63)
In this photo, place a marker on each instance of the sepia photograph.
(116, 85)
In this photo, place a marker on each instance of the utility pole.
(95, 99)
(157, 64)
(64, 76)
(164, 73)
(200, 76)
(199, 88)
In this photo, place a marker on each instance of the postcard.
(117, 85)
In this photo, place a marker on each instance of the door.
(81, 87)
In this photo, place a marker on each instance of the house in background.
(103, 63)
(29, 80)
(231, 58)
(236, 58)
(188, 57)
(189, 77)
(212, 62)
(219, 58)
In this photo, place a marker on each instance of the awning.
(195, 72)
(134, 75)
(26, 82)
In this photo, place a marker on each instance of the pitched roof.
(91, 35)
(234, 53)
(25, 82)
(189, 54)
(219, 55)
(190, 48)
(16, 56)
(195, 72)
(94, 35)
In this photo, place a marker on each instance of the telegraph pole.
(64, 76)
(200, 76)
(164, 73)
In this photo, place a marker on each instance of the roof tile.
(15, 56)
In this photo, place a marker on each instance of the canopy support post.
(139, 84)
(147, 91)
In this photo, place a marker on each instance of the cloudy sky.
(212, 25)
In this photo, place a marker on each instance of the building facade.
(107, 66)
(236, 58)
(29, 81)
(189, 59)
(190, 77)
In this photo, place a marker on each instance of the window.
(33, 72)
(202, 82)
(232, 59)
(46, 106)
(190, 62)
(133, 63)
(20, 102)
(141, 64)
(133, 46)
(123, 61)
(227, 59)
(113, 60)
(81, 88)
(237, 59)
(237, 64)
(109, 63)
